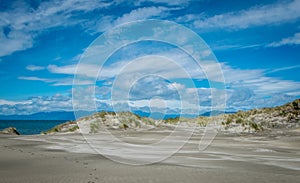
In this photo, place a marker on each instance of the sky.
(256, 44)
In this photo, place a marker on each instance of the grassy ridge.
(285, 116)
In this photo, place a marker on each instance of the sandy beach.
(149, 91)
(269, 157)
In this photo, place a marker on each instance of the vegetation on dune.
(172, 120)
(94, 127)
(70, 126)
(9, 131)
(120, 120)
(285, 116)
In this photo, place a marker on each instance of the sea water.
(30, 127)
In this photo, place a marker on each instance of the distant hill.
(58, 115)
(69, 115)
(158, 116)
(215, 113)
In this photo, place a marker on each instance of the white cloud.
(141, 14)
(8, 102)
(167, 2)
(56, 102)
(126, 73)
(157, 103)
(152, 86)
(259, 102)
(283, 69)
(68, 81)
(270, 86)
(68, 69)
(235, 75)
(84, 98)
(24, 24)
(175, 86)
(33, 78)
(108, 22)
(294, 40)
(88, 70)
(256, 80)
(167, 65)
(279, 13)
(34, 68)
(15, 41)
(247, 89)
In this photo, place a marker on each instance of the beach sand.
(268, 157)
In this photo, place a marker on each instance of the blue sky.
(257, 45)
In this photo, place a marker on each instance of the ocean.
(30, 127)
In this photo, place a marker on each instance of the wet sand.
(268, 157)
